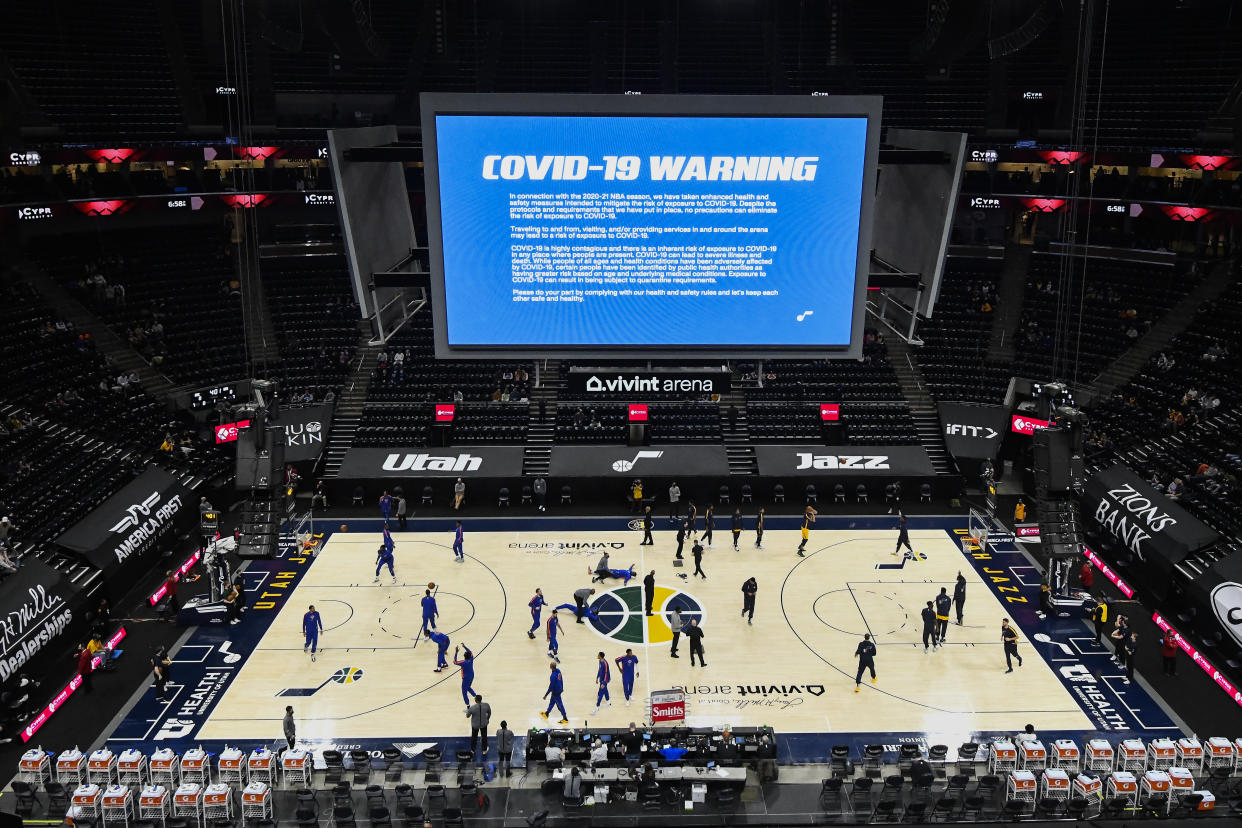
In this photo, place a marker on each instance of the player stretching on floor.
(466, 663)
(442, 641)
(536, 605)
(623, 574)
(556, 686)
(312, 626)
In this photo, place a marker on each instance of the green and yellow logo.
(618, 614)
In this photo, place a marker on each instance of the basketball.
(430, 585)
(344, 528)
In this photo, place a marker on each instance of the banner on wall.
(1219, 588)
(471, 461)
(843, 461)
(306, 429)
(639, 461)
(1142, 519)
(973, 431)
(37, 609)
(146, 515)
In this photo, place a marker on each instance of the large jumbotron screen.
(630, 225)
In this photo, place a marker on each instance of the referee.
(866, 660)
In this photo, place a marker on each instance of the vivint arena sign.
(668, 381)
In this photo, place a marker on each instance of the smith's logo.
(131, 519)
(806, 460)
(970, 430)
(432, 462)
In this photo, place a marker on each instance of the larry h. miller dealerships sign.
(141, 517)
(36, 608)
(1144, 520)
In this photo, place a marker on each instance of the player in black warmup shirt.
(681, 538)
(709, 523)
(943, 604)
(1010, 637)
(648, 523)
(696, 552)
(737, 526)
(903, 537)
(959, 596)
(929, 626)
(866, 660)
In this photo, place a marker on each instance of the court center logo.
(619, 614)
(344, 675)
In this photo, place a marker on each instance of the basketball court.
(374, 684)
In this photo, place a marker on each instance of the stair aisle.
(348, 412)
(737, 443)
(541, 435)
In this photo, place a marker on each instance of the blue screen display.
(621, 231)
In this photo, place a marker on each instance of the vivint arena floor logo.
(700, 385)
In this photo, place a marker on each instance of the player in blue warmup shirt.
(312, 626)
(603, 675)
(385, 504)
(556, 686)
(430, 611)
(458, 553)
(536, 607)
(442, 641)
(553, 628)
(466, 663)
(628, 664)
(383, 558)
(388, 544)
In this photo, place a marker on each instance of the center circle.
(403, 618)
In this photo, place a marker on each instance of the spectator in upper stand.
(1176, 489)
(1154, 480)
(595, 423)
(505, 395)
(1164, 363)
(458, 396)
(330, 396)
(496, 395)
(381, 358)
(398, 358)
(580, 418)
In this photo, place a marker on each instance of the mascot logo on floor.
(619, 614)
